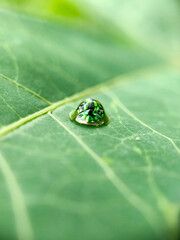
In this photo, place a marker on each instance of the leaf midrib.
(123, 78)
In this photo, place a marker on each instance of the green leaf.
(61, 180)
(43, 63)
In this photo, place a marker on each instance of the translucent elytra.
(90, 112)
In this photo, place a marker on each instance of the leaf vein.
(133, 116)
(25, 88)
(92, 90)
(23, 225)
(145, 209)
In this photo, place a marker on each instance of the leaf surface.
(61, 180)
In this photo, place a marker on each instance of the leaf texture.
(61, 180)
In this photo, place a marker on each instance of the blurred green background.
(152, 23)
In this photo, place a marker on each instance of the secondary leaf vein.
(127, 111)
(145, 209)
(97, 88)
(23, 225)
(25, 88)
